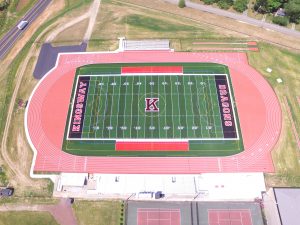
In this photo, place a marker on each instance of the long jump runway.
(258, 109)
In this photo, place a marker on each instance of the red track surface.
(152, 69)
(152, 146)
(258, 109)
(252, 43)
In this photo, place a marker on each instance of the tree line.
(291, 8)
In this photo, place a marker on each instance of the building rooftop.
(288, 201)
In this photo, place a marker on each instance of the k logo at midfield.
(151, 105)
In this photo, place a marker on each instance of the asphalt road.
(239, 17)
(9, 39)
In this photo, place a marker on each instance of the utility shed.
(288, 204)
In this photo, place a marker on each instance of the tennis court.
(158, 216)
(193, 213)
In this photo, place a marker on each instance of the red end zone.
(152, 146)
(152, 69)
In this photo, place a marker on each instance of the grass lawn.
(117, 19)
(97, 212)
(72, 35)
(27, 218)
(285, 65)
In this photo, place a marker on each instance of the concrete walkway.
(239, 17)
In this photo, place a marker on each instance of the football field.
(192, 104)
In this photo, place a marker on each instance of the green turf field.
(108, 106)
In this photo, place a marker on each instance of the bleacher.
(133, 45)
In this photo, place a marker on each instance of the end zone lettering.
(78, 110)
(225, 107)
(226, 111)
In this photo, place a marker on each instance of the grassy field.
(285, 65)
(72, 35)
(27, 218)
(129, 18)
(117, 19)
(98, 212)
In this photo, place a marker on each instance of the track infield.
(153, 110)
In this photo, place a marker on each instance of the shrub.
(223, 4)
(209, 2)
(282, 21)
(181, 3)
(240, 5)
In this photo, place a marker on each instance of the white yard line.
(125, 108)
(159, 112)
(92, 110)
(138, 118)
(145, 83)
(131, 108)
(179, 106)
(111, 107)
(152, 125)
(118, 109)
(192, 107)
(198, 106)
(187, 126)
(212, 105)
(172, 106)
(104, 109)
(165, 106)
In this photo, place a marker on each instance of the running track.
(258, 109)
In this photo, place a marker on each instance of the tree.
(292, 10)
(4, 4)
(181, 4)
(273, 5)
(261, 6)
(268, 6)
(240, 5)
